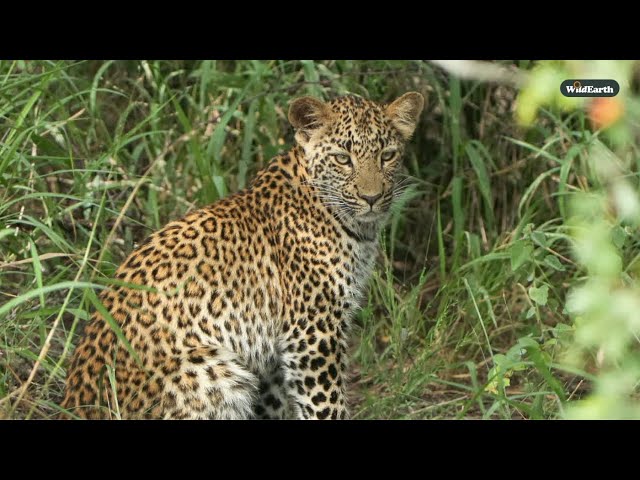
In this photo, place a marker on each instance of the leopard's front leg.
(314, 360)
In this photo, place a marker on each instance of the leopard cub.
(242, 309)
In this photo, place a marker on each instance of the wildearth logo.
(589, 88)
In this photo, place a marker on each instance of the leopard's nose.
(370, 199)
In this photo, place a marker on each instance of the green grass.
(465, 317)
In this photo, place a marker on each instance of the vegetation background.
(507, 281)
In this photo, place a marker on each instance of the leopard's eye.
(388, 155)
(342, 158)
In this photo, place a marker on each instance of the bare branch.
(483, 71)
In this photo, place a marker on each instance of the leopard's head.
(353, 149)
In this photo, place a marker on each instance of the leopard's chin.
(371, 217)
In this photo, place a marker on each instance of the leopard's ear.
(405, 112)
(307, 114)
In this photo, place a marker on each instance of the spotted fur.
(242, 309)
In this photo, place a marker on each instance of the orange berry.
(604, 112)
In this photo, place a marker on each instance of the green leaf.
(520, 252)
(618, 236)
(247, 142)
(553, 262)
(539, 237)
(37, 270)
(515, 353)
(540, 362)
(525, 342)
(483, 179)
(500, 360)
(563, 332)
(312, 77)
(14, 302)
(531, 189)
(539, 294)
(458, 217)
